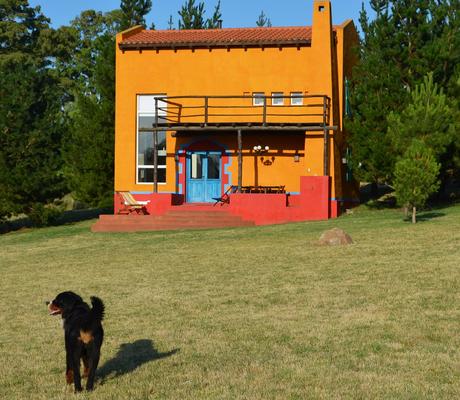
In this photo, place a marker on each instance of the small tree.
(216, 20)
(192, 16)
(428, 117)
(263, 20)
(416, 177)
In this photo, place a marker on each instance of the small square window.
(258, 98)
(296, 98)
(277, 99)
(321, 8)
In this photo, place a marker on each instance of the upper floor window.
(277, 99)
(258, 98)
(296, 98)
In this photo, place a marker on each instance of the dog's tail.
(98, 308)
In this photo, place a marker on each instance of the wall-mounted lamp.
(176, 157)
(296, 157)
(259, 149)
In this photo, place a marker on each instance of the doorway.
(204, 176)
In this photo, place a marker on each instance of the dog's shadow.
(129, 357)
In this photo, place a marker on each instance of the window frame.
(258, 96)
(298, 96)
(277, 96)
(160, 152)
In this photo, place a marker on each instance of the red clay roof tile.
(219, 37)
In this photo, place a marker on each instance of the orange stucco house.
(250, 116)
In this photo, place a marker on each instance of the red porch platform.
(168, 212)
(176, 218)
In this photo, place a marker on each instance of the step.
(103, 227)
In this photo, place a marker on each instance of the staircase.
(189, 216)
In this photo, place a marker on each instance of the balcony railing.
(192, 112)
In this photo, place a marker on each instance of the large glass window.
(145, 123)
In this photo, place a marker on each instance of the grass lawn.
(252, 313)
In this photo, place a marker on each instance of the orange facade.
(156, 63)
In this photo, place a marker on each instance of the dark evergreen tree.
(170, 23)
(263, 20)
(216, 19)
(406, 40)
(376, 91)
(31, 131)
(192, 16)
(428, 117)
(31, 121)
(134, 12)
(88, 149)
(20, 28)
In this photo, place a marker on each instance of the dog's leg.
(84, 357)
(94, 354)
(68, 368)
(76, 354)
(68, 359)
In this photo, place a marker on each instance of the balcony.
(186, 113)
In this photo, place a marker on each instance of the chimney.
(322, 23)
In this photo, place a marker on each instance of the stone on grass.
(335, 237)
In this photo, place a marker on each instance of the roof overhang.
(217, 45)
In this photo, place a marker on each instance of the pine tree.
(89, 150)
(31, 130)
(406, 40)
(134, 12)
(216, 20)
(20, 28)
(428, 117)
(416, 176)
(192, 16)
(170, 23)
(263, 20)
(376, 91)
(31, 121)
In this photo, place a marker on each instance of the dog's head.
(63, 303)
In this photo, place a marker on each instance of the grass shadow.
(427, 216)
(129, 357)
(66, 217)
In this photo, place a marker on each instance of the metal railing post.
(206, 111)
(326, 139)
(264, 119)
(240, 161)
(155, 150)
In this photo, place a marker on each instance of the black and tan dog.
(83, 335)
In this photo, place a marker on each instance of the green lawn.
(253, 313)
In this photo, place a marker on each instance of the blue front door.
(203, 176)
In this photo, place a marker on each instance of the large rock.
(335, 237)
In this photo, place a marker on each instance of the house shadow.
(129, 357)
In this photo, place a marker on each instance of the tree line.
(57, 95)
(57, 102)
(404, 126)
